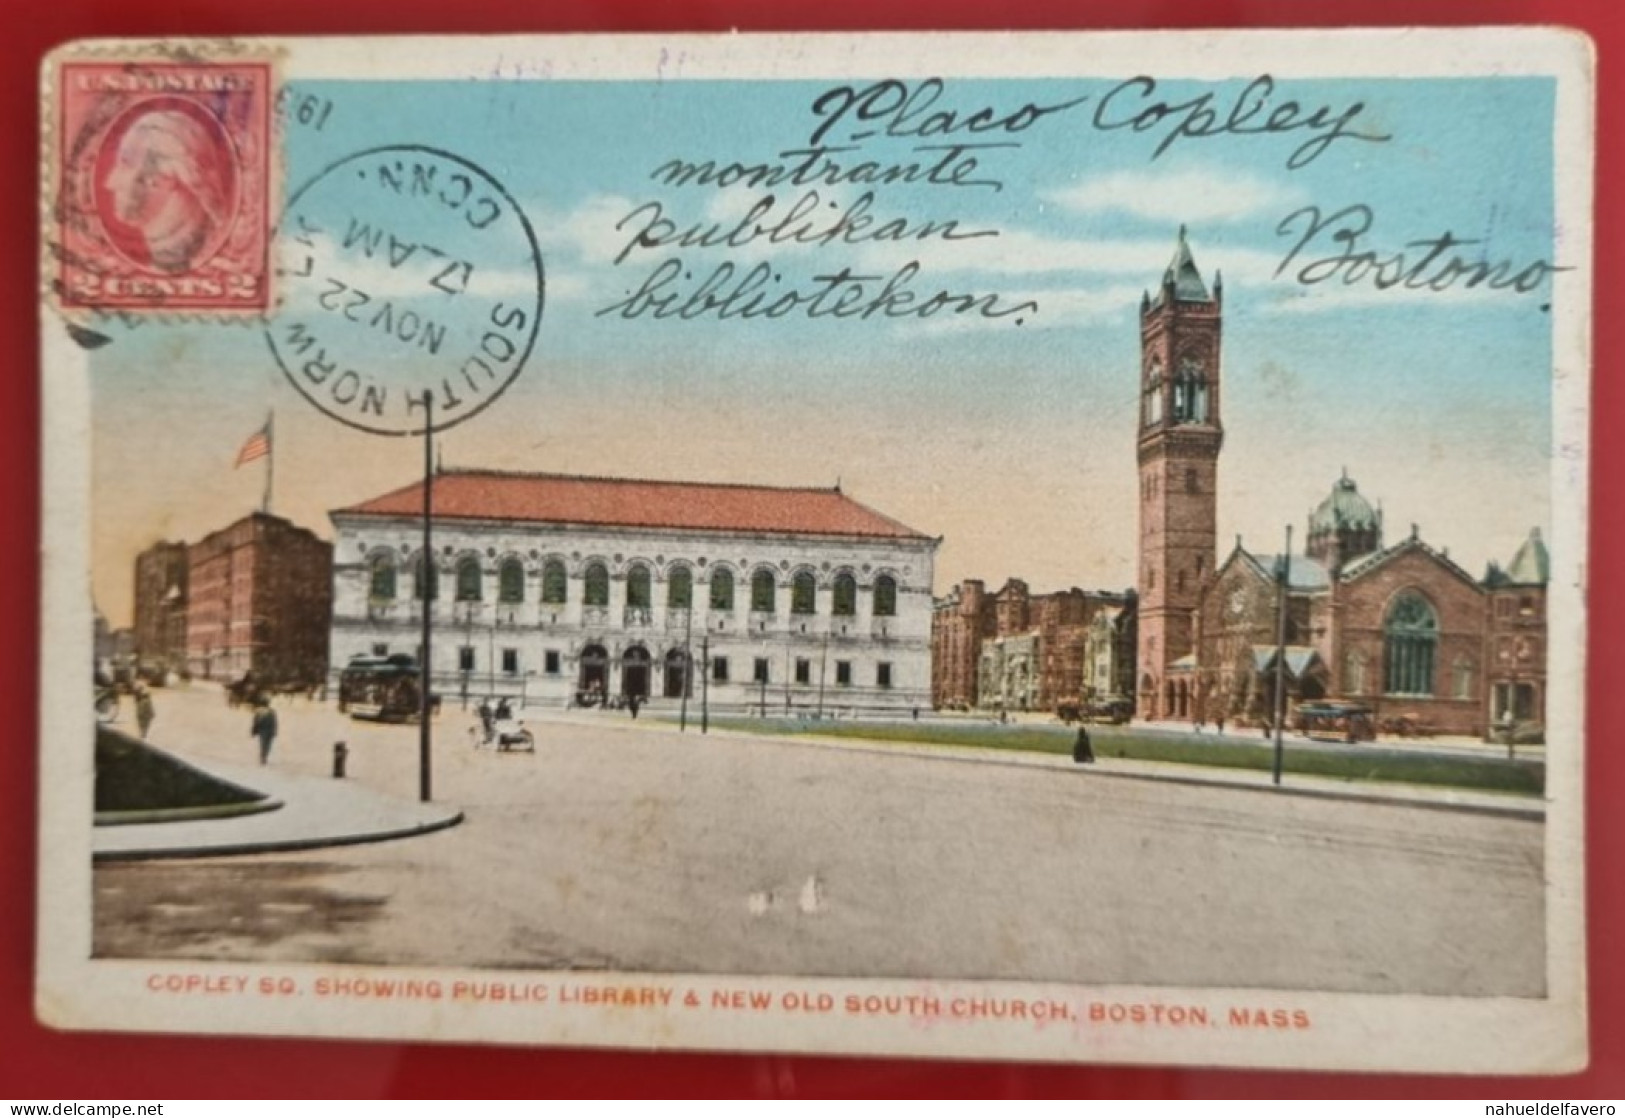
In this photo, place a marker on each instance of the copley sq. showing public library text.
(1051, 547)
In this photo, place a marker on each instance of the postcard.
(1046, 547)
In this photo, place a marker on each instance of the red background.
(40, 1064)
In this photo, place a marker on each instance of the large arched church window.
(1410, 639)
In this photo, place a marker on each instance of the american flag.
(257, 446)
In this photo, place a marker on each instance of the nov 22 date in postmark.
(164, 176)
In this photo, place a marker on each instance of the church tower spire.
(1180, 434)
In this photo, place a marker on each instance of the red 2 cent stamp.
(163, 186)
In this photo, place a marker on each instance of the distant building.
(259, 600)
(160, 605)
(1014, 650)
(553, 587)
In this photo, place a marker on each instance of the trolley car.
(382, 687)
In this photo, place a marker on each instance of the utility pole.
(1280, 650)
(823, 664)
(427, 582)
(705, 683)
(688, 660)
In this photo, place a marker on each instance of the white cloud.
(1283, 298)
(1057, 307)
(1190, 196)
(1023, 252)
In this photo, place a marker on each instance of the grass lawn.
(133, 776)
(1365, 762)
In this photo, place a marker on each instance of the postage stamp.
(163, 171)
(1033, 547)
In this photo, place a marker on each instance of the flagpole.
(270, 460)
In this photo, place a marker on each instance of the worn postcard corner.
(943, 545)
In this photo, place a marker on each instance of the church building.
(1398, 628)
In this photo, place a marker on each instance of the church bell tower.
(1180, 434)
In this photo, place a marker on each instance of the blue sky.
(1013, 442)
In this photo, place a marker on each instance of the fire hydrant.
(340, 753)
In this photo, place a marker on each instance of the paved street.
(630, 846)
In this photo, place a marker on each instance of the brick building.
(1014, 650)
(259, 600)
(1401, 628)
(160, 606)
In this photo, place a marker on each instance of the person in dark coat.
(263, 727)
(488, 721)
(143, 709)
(1083, 753)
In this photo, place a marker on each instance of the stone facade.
(259, 600)
(793, 600)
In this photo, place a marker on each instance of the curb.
(271, 846)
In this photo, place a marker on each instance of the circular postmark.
(408, 275)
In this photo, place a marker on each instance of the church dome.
(1343, 509)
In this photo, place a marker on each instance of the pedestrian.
(1083, 753)
(263, 727)
(1218, 724)
(633, 701)
(487, 720)
(143, 709)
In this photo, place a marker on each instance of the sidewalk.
(1250, 780)
(315, 812)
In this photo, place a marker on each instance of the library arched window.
(418, 580)
(468, 580)
(595, 585)
(885, 596)
(555, 582)
(511, 581)
(1410, 640)
(844, 596)
(722, 589)
(762, 592)
(679, 588)
(638, 593)
(381, 581)
(803, 593)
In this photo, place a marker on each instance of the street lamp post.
(1280, 651)
(688, 660)
(425, 734)
(705, 683)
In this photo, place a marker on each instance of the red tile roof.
(636, 503)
